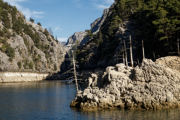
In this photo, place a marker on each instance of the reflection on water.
(50, 101)
(134, 115)
(35, 100)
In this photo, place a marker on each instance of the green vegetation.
(4, 33)
(31, 20)
(36, 59)
(18, 25)
(157, 22)
(6, 48)
(14, 24)
(162, 18)
(55, 67)
(19, 65)
(6, 11)
(46, 32)
(39, 24)
(5, 18)
(28, 64)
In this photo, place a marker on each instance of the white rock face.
(6, 77)
(150, 86)
(45, 61)
(80, 37)
(172, 62)
(76, 38)
(96, 25)
(37, 27)
(26, 46)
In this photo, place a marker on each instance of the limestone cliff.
(96, 25)
(77, 38)
(12, 77)
(26, 46)
(81, 38)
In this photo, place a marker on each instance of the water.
(50, 101)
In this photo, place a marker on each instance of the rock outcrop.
(172, 62)
(26, 46)
(81, 38)
(148, 86)
(96, 25)
(11, 77)
(77, 38)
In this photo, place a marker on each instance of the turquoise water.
(50, 101)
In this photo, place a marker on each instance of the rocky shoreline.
(152, 85)
(7, 77)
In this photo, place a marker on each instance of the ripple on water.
(50, 101)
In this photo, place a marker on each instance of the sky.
(63, 17)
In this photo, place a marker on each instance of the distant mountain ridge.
(26, 46)
(82, 38)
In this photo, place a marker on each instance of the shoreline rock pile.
(148, 86)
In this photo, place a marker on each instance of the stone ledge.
(6, 77)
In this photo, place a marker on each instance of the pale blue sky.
(64, 17)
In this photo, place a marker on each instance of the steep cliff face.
(150, 21)
(81, 38)
(77, 38)
(26, 46)
(96, 25)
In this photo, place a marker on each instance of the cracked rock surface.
(148, 86)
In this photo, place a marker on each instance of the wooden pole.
(131, 54)
(123, 57)
(75, 75)
(125, 51)
(117, 57)
(178, 46)
(154, 55)
(143, 50)
(138, 61)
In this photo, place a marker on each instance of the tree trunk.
(138, 61)
(117, 57)
(125, 51)
(143, 50)
(123, 57)
(131, 52)
(178, 46)
(75, 75)
(154, 55)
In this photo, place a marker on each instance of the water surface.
(50, 101)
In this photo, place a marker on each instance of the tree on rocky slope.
(156, 22)
(25, 45)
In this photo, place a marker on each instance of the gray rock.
(90, 96)
(95, 98)
(169, 97)
(76, 39)
(46, 55)
(96, 25)
(154, 86)
(80, 38)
